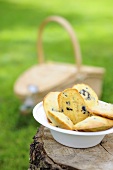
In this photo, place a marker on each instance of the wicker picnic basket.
(58, 76)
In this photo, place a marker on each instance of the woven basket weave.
(58, 76)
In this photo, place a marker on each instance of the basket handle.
(63, 22)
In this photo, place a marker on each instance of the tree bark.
(46, 153)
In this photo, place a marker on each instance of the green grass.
(19, 22)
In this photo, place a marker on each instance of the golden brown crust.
(58, 119)
(103, 109)
(72, 109)
(50, 102)
(87, 93)
(72, 105)
(94, 124)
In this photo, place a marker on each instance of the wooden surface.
(46, 153)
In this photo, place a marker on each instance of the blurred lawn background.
(19, 22)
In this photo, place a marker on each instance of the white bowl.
(69, 138)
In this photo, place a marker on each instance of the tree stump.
(46, 153)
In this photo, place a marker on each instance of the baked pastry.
(103, 109)
(87, 93)
(60, 120)
(50, 102)
(94, 124)
(72, 105)
(78, 108)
